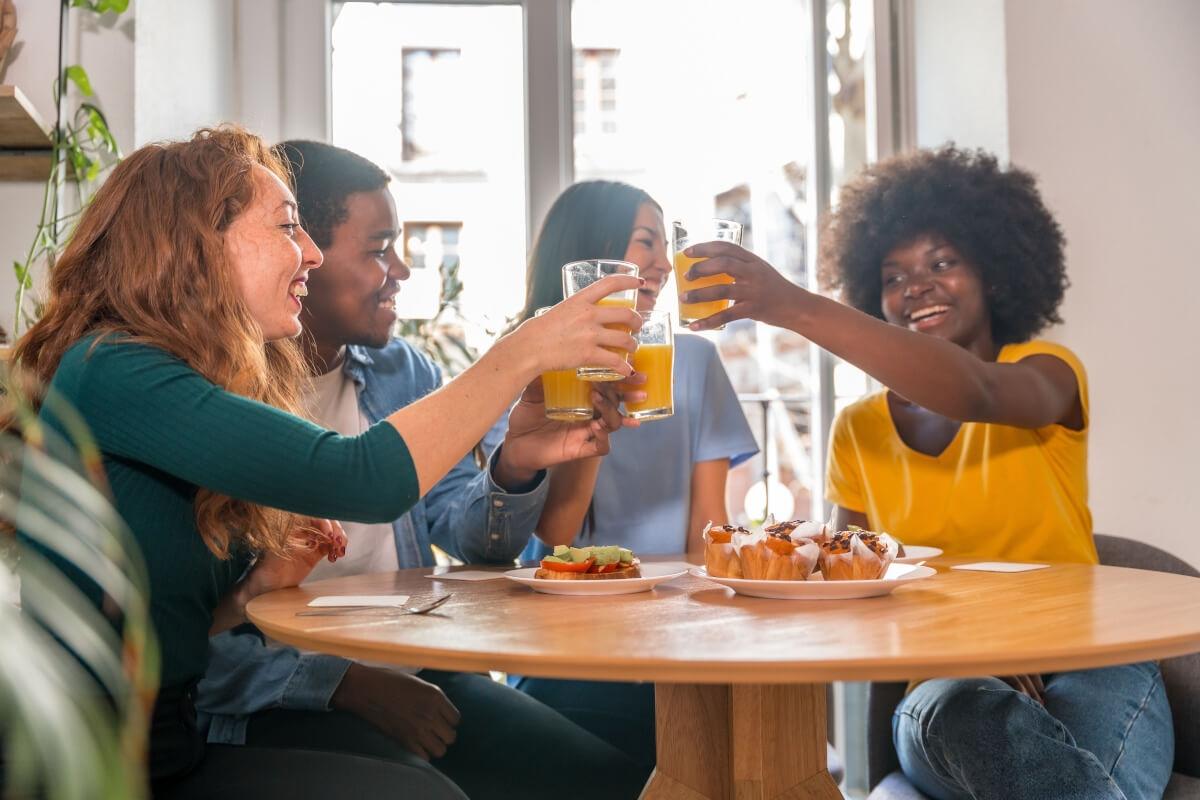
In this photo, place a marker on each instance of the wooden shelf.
(24, 138)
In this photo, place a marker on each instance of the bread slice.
(624, 571)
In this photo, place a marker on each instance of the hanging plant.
(82, 148)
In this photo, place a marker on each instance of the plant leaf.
(78, 76)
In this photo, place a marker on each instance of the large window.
(434, 94)
(710, 112)
(714, 108)
(751, 111)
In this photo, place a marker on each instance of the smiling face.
(648, 249)
(271, 257)
(353, 299)
(929, 287)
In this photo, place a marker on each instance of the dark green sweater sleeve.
(144, 404)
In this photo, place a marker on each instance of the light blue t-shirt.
(643, 491)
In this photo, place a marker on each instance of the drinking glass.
(577, 276)
(686, 234)
(567, 399)
(654, 358)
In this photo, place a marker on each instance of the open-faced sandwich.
(589, 564)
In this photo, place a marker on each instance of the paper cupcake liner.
(721, 559)
(860, 564)
(760, 562)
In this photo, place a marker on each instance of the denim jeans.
(1103, 734)
(621, 714)
(508, 747)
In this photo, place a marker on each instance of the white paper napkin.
(379, 600)
(999, 566)
(673, 566)
(467, 575)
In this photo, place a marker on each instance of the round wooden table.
(740, 681)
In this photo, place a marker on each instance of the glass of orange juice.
(566, 398)
(577, 276)
(686, 234)
(654, 358)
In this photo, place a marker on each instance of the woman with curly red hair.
(949, 266)
(170, 327)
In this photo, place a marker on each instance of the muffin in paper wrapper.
(776, 558)
(720, 554)
(800, 529)
(857, 555)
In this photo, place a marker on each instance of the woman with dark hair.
(705, 437)
(950, 265)
(170, 327)
(661, 482)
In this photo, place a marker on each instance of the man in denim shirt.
(470, 727)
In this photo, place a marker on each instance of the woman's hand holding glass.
(758, 291)
(573, 333)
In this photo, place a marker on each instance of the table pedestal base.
(740, 742)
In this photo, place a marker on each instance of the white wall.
(185, 68)
(958, 73)
(1104, 107)
(261, 63)
(104, 45)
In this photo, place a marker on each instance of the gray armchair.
(1181, 675)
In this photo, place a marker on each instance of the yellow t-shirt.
(995, 492)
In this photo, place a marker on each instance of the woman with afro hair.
(949, 266)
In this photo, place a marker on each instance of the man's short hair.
(324, 176)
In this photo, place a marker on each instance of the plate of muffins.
(801, 560)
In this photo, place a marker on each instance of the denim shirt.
(465, 514)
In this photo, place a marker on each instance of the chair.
(1181, 676)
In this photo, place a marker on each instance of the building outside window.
(431, 118)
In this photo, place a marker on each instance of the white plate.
(897, 575)
(652, 574)
(918, 552)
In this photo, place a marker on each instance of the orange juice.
(567, 399)
(690, 312)
(656, 362)
(602, 373)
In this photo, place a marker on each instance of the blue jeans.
(621, 714)
(508, 747)
(1103, 734)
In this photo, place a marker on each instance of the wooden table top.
(690, 630)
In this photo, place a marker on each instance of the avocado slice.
(626, 556)
(606, 555)
(561, 551)
(556, 560)
(579, 554)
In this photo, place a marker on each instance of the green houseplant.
(75, 689)
(82, 147)
(77, 682)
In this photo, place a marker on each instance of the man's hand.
(413, 712)
(1029, 685)
(535, 443)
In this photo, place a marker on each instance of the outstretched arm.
(931, 372)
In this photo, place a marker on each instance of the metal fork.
(375, 611)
